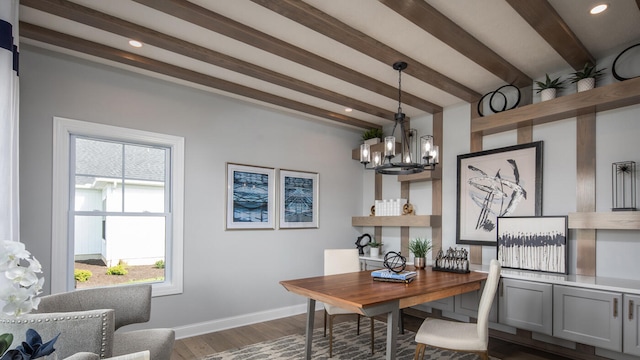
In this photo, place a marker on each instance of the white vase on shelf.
(374, 252)
(547, 94)
(586, 84)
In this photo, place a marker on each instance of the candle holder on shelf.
(623, 189)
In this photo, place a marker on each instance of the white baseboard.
(241, 320)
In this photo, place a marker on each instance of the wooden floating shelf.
(616, 220)
(403, 220)
(603, 98)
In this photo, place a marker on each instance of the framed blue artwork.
(250, 197)
(299, 206)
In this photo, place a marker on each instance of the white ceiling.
(494, 23)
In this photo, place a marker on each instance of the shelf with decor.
(403, 220)
(615, 220)
(603, 98)
(584, 106)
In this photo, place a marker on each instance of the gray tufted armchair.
(87, 321)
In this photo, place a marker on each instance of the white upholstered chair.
(460, 336)
(340, 261)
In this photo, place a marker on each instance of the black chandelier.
(411, 149)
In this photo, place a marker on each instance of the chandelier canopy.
(416, 157)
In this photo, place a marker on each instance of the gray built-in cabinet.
(588, 316)
(631, 341)
(526, 305)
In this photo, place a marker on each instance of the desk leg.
(311, 307)
(392, 333)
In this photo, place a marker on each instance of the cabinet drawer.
(526, 305)
(587, 316)
(631, 325)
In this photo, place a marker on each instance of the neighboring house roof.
(105, 159)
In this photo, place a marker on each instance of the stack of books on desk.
(391, 276)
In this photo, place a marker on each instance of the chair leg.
(401, 322)
(358, 327)
(325, 324)
(484, 355)
(330, 336)
(420, 349)
(372, 326)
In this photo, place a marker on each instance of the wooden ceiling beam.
(435, 23)
(93, 18)
(210, 20)
(547, 22)
(55, 38)
(322, 23)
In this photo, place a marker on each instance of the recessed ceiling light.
(135, 43)
(348, 109)
(598, 9)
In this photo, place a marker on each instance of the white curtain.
(9, 92)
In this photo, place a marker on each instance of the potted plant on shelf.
(372, 136)
(549, 88)
(375, 247)
(585, 79)
(420, 247)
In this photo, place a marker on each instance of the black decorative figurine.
(360, 245)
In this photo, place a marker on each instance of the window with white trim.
(118, 204)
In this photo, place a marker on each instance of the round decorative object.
(613, 68)
(407, 209)
(395, 262)
(493, 103)
(373, 211)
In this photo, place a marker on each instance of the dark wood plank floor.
(198, 347)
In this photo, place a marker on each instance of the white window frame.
(61, 251)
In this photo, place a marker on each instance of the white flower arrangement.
(19, 284)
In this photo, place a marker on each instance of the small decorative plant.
(372, 134)
(375, 244)
(420, 247)
(589, 71)
(549, 84)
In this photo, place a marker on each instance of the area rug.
(346, 346)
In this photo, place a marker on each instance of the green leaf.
(5, 342)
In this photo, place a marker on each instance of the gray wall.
(227, 274)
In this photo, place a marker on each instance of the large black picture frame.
(499, 182)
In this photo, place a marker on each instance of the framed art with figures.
(536, 243)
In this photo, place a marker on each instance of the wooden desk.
(359, 293)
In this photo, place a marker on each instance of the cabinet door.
(467, 304)
(526, 305)
(588, 316)
(631, 324)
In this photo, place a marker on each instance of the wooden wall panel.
(586, 191)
